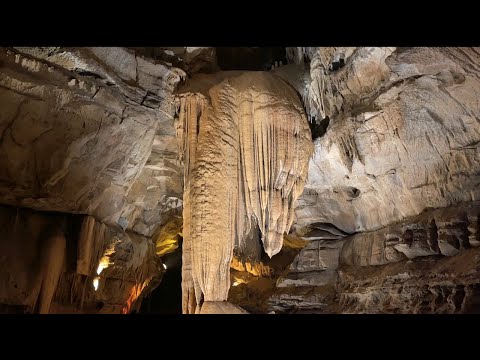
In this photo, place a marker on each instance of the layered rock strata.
(89, 131)
(426, 264)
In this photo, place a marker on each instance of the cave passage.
(167, 297)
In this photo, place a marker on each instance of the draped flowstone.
(245, 143)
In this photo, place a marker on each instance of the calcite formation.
(402, 140)
(245, 142)
(339, 78)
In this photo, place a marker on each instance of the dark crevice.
(318, 128)
(250, 58)
(477, 234)
(455, 242)
(330, 228)
(408, 237)
(353, 192)
(433, 236)
(465, 244)
(199, 115)
(252, 247)
(72, 234)
(337, 64)
(458, 297)
(167, 297)
(83, 72)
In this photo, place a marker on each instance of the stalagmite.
(245, 143)
(53, 263)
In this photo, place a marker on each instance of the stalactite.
(321, 86)
(322, 93)
(245, 144)
(296, 54)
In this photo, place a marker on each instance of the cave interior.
(239, 180)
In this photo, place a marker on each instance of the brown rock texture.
(50, 261)
(425, 264)
(447, 285)
(402, 140)
(254, 283)
(87, 131)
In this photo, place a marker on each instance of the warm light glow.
(101, 266)
(105, 260)
(135, 292)
(238, 280)
(104, 263)
(95, 283)
(164, 266)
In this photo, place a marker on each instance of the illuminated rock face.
(403, 139)
(246, 143)
(89, 134)
(403, 134)
(429, 263)
(89, 131)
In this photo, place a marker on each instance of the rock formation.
(403, 136)
(85, 131)
(403, 139)
(245, 143)
(63, 263)
(426, 264)
(112, 158)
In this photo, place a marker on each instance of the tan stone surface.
(245, 147)
(88, 131)
(403, 137)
